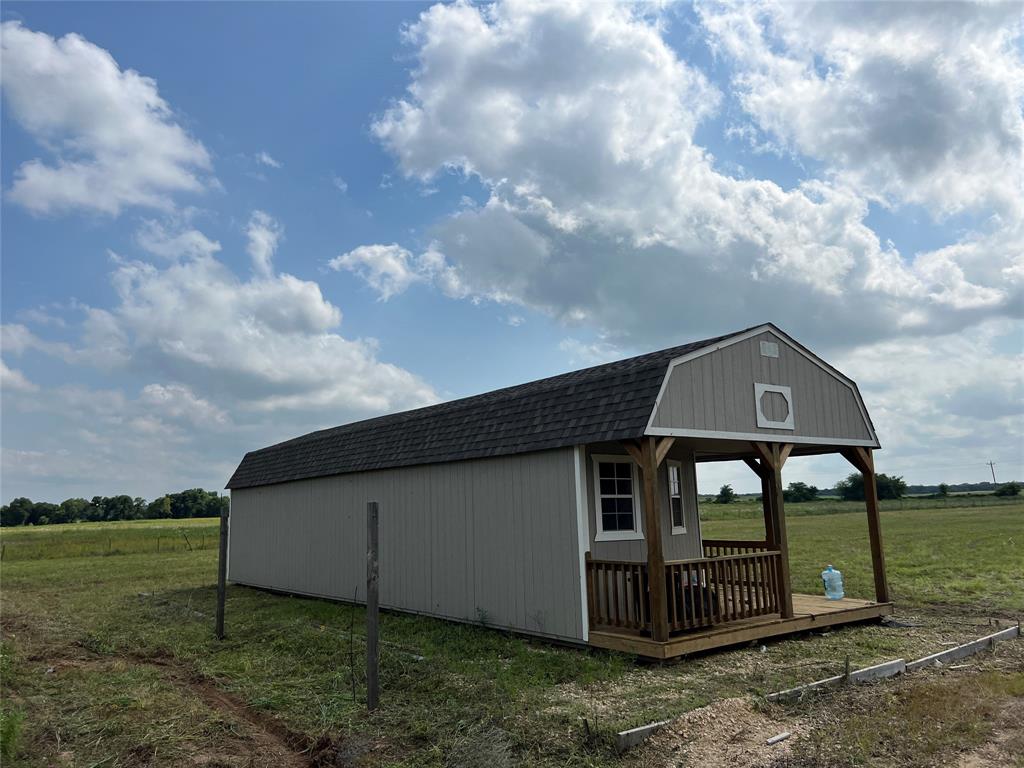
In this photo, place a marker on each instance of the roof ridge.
(469, 400)
(607, 401)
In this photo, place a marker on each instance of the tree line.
(194, 502)
(852, 489)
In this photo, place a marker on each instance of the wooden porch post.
(773, 457)
(862, 460)
(762, 472)
(652, 532)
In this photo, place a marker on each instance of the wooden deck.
(810, 612)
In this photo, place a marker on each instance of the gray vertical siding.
(492, 539)
(675, 546)
(715, 393)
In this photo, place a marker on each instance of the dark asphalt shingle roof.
(612, 401)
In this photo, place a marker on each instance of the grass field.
(110, 660)
(749, 507)
(101, 539)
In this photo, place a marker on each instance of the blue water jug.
(833, 581)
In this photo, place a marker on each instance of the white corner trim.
(787, 395)
(599, 533)
(582, 538)
(792, 344)
(227, 565)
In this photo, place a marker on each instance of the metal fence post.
(222, 571)
(372, 608)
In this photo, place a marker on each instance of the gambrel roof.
(612, 401)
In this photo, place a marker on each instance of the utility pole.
(992, 466)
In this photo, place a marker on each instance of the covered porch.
(736, 591)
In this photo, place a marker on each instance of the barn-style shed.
(567, 507)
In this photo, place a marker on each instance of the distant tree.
(726, 495)
(159, 508)
(73, 510)
(852, 488)
(943, 490)
(17, 512)
(798, 492)
(214, 504)
(1008, 489)
(44, 513)
(194, 502)
(96, 510)
(891, 487)
(118, 508)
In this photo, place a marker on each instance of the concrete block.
(626, 739)
(967, 649)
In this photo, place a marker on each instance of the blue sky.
(422, 202)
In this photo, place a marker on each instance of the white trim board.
(582, 535)
(796, 347)
(762, 437)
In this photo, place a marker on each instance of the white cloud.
(172, 243)
(391, 269)
(12, 379)
(918, 102)
(388, 269)
(87, 441)
(42, 316)
(269, 342)
(179, 402)
(339, 183)
(580, 120)
(604, 211)
(264, 233)
(113, 140)
(264, 158)
(583, 353)
(17, 338)
(957, 390)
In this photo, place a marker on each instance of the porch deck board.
(810, 612)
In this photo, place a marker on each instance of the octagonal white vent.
(774, 406)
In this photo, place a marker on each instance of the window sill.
(678, 531)
(619, 536)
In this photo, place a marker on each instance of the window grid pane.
(615, 487)
(677, 512)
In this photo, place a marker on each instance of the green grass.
(452, 694)
(966, 557)
(101, 539)
(750, 508)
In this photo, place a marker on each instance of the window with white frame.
(675, 496)
(617, 503)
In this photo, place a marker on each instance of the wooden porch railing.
(714, 590)
(720, 547)
(701, 592)
(617, 594)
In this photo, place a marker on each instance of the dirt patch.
(1006, 744)
(256, 739)
(725, 734)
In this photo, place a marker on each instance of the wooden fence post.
(222, 571)
(372, 607)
